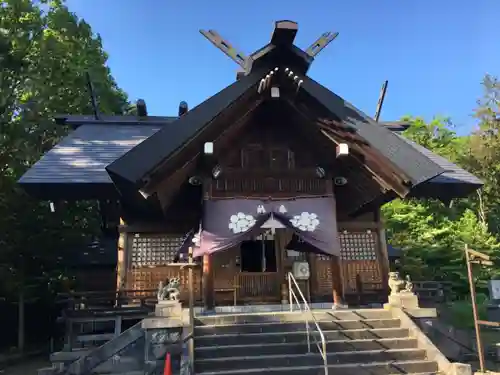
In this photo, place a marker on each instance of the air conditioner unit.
(301, 271)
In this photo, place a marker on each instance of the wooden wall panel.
(146, 278)
(148, 259)
(359, 260)
(322, 280)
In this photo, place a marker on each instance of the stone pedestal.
(169, 309)
(403, 300)
(163, 333)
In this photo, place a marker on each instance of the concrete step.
(295, 326)
(412, 367)
(292, 316)
(301, 347)
(299, 336)
(309, 359)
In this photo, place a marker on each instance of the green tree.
(482, 155)
(45, 52)
(432, 235)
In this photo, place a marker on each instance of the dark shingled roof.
(83, 155)
(81, 158)
(452, 173)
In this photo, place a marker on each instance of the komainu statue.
(170, 290)
(397, 285)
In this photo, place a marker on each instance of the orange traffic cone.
(168, 365)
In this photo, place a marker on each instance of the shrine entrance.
(258, 255)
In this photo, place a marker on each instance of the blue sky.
(433, 52)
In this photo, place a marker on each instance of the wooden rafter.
(361, 181)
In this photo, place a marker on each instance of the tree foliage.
(45, 52)
(432, 235)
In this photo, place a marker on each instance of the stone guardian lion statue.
(170, 290)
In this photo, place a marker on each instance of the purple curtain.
(228, 222)
(314, 221)
(298, 244)
(183, 251)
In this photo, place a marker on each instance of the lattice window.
(359, 255)
(358, 246)
(154, 249)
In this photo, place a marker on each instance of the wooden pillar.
(336, 280)
(382, 253)
(208, 272)
(337, 290)
(280, 243)
(208, 283)
(121, 264)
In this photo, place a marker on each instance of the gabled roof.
(137, 164)
(124, 152)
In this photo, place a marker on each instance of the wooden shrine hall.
(273, 174)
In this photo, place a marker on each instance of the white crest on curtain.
(197, 239)
(197, 236)
(306, 221)
(282, 209)
(261, 209)
(241, 222)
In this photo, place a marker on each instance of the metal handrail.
(292, 297)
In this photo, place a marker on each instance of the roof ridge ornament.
(282, 41)
(226, 47)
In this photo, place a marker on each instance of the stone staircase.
(370, 342)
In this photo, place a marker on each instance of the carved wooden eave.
(379, 169)
(412, 166)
